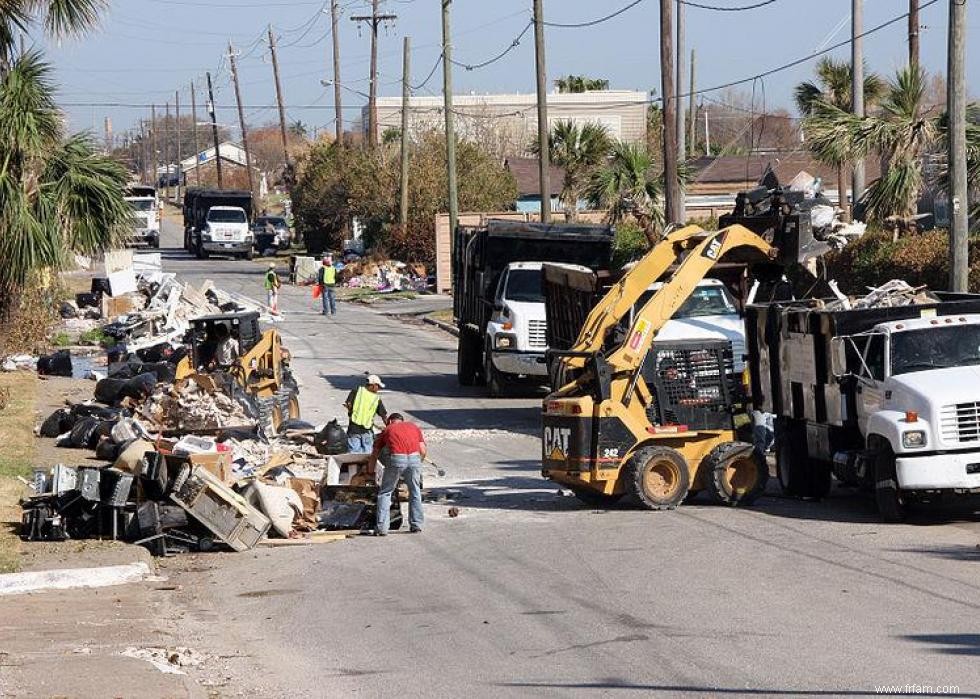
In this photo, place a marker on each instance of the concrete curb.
(69, 578)
(442, 325)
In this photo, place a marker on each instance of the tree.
(629, 186)
(900, 131)
(579, 150)
(580, 83)
(298, 128)
(335, 185)
(58, 193)
(834, 87)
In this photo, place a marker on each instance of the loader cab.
(206, 332)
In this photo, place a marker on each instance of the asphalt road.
(528, 593)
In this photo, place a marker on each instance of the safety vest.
(271, 280)
(365, 407)
(329, 277)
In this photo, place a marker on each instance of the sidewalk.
(67, 643)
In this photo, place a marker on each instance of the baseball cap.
(374, 378)
(272, 265)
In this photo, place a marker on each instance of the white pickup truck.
(227, 231)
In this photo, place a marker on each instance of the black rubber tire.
(270, 415)
(736, 474)
(292, 411)
(597, 501)
(657, 478)
(495, 382)
(249, 255)
(692, 495)
(892, 504)
(468, 359)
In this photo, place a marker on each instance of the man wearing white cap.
(272, 285)
(363, 404)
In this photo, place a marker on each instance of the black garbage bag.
(108, 390)
(139, 387)
(126, 369)
(87, 300)
(57, 423)
(295, 424)
(85, 433)
(165, 371)
(57, 364)
(332, 439)
(67, 310)
(107, 450)
(100, 412)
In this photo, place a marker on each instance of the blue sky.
(147, 49)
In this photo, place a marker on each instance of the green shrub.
(629, 244)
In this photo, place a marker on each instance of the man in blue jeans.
(407, 446)
(326, 277)
(362, 404)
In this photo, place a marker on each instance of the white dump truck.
(885, 399)
(146, 212)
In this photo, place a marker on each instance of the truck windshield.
(226, 216)
(142, 205)
(937, 347)
(524, 285)
(705, 301)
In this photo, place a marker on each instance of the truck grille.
(537, 333)
(960, 422)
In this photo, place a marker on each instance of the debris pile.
(896, 292)
(385, 275)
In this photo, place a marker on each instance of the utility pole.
(956, 107)
(679, 52)
(282, 110)
(680, 126)
(857, 88)
(406, 96)
(166, 146)
(544, 154)
(692, 112)
(913, 34)
(197, 145)
(144, 150)
(212, 110)
(180, 168)
(339, 118)
(450, 118)
(374, 20)
(153, 136)
(707, 134)
(673, 206)
(108, 135)
(241, 123)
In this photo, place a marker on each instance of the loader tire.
(736, 474)
(292, 408)
(270, 415)
(657, 478)
(892, 504)
(595, 500)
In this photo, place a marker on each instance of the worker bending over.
(363, 404)
(406, 444)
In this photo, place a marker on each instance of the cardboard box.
(217, 464)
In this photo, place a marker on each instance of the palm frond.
(71, 17)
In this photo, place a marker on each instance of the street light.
(329, 83)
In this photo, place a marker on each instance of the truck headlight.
(913, 439)
(504, 342)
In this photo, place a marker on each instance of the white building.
(513, 118)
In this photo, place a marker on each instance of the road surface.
(527, 592)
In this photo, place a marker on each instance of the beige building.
(509, 123)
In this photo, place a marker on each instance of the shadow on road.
(951, 643)
(626, 686)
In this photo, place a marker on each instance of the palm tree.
(298, 128)
(834, 79)
(58, 193)
(580, 83)
(900, 131)
(628, 185)
(579, 150)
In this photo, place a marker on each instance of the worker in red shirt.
(407, 447)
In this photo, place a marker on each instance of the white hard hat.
(375, 379)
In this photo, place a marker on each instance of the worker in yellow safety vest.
(363, 404)
(327, 279)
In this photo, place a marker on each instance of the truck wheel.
(736, 472)
(892, 504)
(495, 382)
(657, 478)
(595, 499)
(791, 457)
(468, 358)
(249, 255)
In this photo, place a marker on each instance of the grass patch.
(95, 337)
(16, 458)
(445, 315)
(62, 339)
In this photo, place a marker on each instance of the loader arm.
(622, 297)
(628, 357)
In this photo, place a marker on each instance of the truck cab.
(916, 402)
(516, 335)
(226, 231)
(146, 229)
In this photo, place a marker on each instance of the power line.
(513, 45)
(591, 23)
(717, 8)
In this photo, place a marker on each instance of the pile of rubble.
(365, 273)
